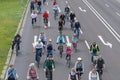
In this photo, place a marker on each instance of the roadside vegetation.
(10, 15)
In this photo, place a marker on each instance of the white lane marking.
(87, 44)
(107, 43)
(83, 10)
(81, 31)
(108, 26)
(117, 13)
(59, 9)
(106, 5)
(68, 41)
(35, 41)
(48, 23)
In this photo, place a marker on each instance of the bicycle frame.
(55, 14)
(46, 21)
(49, 74)
(60, 48)
(68, 58)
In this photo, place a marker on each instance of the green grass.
(10, 15)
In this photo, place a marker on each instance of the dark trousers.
(33, 20)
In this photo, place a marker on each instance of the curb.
(10, 56)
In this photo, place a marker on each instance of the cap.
(39, 39)
(50, 39)
(79, 58)
(69, 45)
(32, 64)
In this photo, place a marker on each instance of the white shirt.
(39, 45)
(93, 76)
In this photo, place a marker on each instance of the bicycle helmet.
(32, 64)
(79, 59)
(50, 40)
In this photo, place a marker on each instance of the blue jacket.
(60, 38)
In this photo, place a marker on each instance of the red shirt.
(45, 15)
(54, 3)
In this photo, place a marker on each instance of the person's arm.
(98, 50)
(69, 77)
(63, 39)
(76, 77)
(28, 77)
(90, 49)
(104, 64)
(75, 66)
(90, 75)
(44, 65)
(53, 64)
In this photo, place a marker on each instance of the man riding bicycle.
(77, 28)
(42, 36)
(60, 25)
(16, 41)
(56, 10)
(72, 19)
(49, 67)
(39, 47)
(94, 50)
(62, 17)
(79, 67)
(45, 17)
(100, 65)
(67, 11)
(50, 48)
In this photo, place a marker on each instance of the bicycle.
(46, 22)
(79, 73)
(100, 72)
(72, 24)
(67, 16)
(60, 48)
(75, 46)
(76, 31)
(55, 14)
(38, 58)
(49, 74)
(17, 48)
(68, 58)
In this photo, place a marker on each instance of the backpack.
(49, 47)
(11, 75)
(61, 41)
(73, 77)
(79, 67)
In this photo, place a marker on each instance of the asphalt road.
(94, 26)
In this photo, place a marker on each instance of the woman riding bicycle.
(68, 51)
(75, 41)
(32, 72)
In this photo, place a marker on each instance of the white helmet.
(79, 58)
(39, 40)
(50, 40)
(32, 64)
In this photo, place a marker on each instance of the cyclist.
(33, 16)
(39, 47)
(49, 48)
(68, 51)
(62, 17)
(77, 26)
(79, 67)
(72, 75)
(32, 72)
(72, 19)
(100, 65)
(39, 3)
(93, 74)
(45, 17)
(54, 2)
(16, 41)
(94, 50)
(43, 38)
(11, 73)
(67, 11)
(60, 39)
(60, 48)
(49, 66)
(32, 5)
(60, 25)
(75, 41)
(55, 10)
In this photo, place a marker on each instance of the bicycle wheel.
(60, 53)
(38, 61)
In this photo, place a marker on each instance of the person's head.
(94, 42)
(68, 45)
(39, 40)
(100, 57)
(94, 70)
(42, 33)
(11, 66)
(50, 57)
(32, 65)
(73, 70)
(50, 41)
(79, 59)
